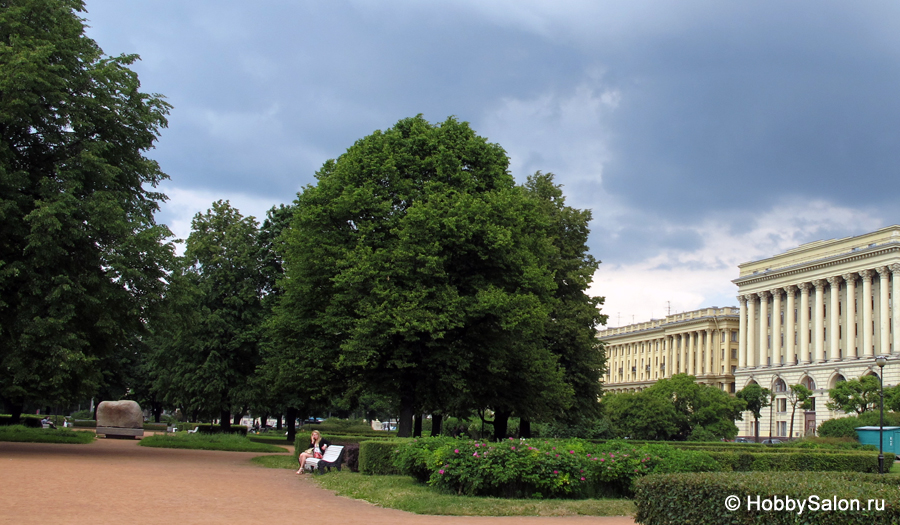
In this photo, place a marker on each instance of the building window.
(782, 428)
(782, 405)
(734, 353)
(734, 337)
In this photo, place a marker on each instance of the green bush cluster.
(845, 427)
(540, 468)
(700, 498)
(377, 457)
(793, 460)
(26, 420)
(227, 442)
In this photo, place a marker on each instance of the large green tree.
(207, 347)
(416, 266)
(81, 257)
(798, 397)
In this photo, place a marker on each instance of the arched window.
(779, 385)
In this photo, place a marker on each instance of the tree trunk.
(407, 401)
(437, 420)
(157, 409)
(278, 423)
(793, 417)
(15, 410)
(262, 419)
(225, 420)
(417, 425)
(501, 423)
(756, 429)
(291, 417)
(237, 418)
(525, 428)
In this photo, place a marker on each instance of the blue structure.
(869, 436)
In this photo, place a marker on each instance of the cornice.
(861, 254)
(664, 329)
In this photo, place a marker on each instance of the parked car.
(742, 440)
(773, 441)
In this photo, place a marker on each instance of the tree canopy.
(416, 266)
(676, 408)
(855, 395)
(81, 258)
(756, 398)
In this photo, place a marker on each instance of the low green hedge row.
(348, 430)
(377, 457)
(208, 428)
(27, 420)
(720, 498)
(301, 440)
(818, 461)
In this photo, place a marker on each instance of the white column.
(884, 317)
(761, 356)
(804, 322)
(709, 352)
(776, 326)
(818, 325)
(682, 361)
(866, 300)
(742, 332)
(691, 352)
(668, 351)
(790, 349)
(752, 331)
(895, 310)
(850, 316)
(834, 340)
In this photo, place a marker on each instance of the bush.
(377, 457)
(664, 499)
(839, 428)
(25, 420)
(83, 414)
(790, 460)
(221, 441)
(207, 428)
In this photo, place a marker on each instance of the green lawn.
(227, 442)
(404, 493)
(38, 435)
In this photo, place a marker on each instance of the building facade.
(703, 343)
(817, 315)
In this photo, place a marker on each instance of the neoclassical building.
(816, 315)
(703, 343)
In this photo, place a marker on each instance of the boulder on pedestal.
(120, 418)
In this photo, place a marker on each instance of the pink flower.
(475, 454)
(589, 455)
(601, 459)
(555, 472)
(571, 452)
(442, 471)
(456, 451)
(512, 448)
(582, 477)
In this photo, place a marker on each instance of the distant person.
(317, 446)
(47, 423)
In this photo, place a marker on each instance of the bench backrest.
(332, 453)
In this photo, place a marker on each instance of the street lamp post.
(881, 361)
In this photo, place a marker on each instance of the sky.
(701, 134)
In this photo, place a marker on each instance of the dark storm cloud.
(694, 112)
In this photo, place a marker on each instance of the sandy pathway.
(117, 481)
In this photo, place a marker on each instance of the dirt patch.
(115, 481)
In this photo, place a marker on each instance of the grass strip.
(226, 442)
(23, 434)
(404, 493)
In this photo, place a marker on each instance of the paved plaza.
(117, 481)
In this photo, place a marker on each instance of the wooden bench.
(333, 457)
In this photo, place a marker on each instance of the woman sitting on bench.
(316, 449)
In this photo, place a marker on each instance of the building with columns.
(817, 315)
(703, 343)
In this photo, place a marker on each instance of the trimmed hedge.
(377, 457)
(208, 428)
(26, 420)
(700, 499)
(798, 460)
(301, 441)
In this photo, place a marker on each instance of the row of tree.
(414, 273)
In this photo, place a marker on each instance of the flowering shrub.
(519, 468)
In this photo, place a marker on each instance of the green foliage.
(83, 414)
(227, 442)
(790, 460)
(675, 408)
(207, 428)
(540, 468)
(700, 498)
(844, 427)
(756, 398)
(25, 434)
(82, 260)
(855, 395)
(377, 457)
(416, 268)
